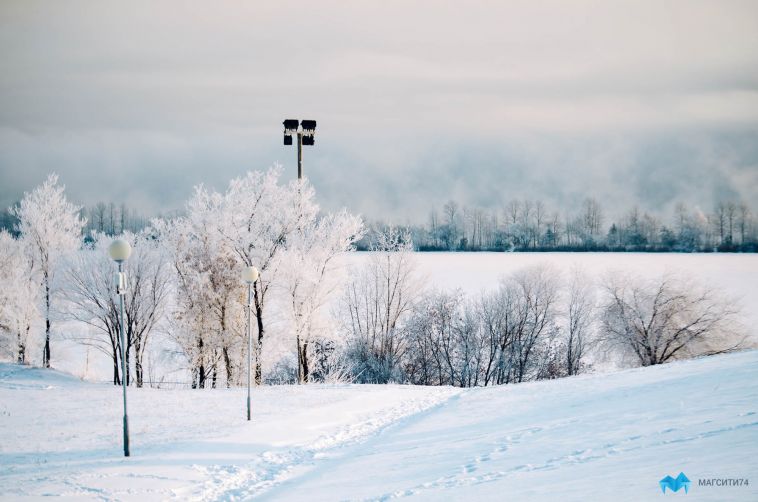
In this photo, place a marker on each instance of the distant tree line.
(112, 219)
(522, 225)
(527, 225)
(102, 218)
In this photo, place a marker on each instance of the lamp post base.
(126, 436)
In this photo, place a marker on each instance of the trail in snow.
(272, 467)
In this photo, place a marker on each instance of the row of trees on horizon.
(522, 225)
(105, 218)
(526, 225)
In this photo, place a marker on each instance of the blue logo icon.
(674, 484)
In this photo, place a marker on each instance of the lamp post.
(119, 251)
(249, 275)
(306, 135)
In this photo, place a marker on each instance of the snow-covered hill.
(596, 437)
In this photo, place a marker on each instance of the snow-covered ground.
(595, 437)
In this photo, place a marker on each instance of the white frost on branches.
(50, 227)
(20, 297)
(90, 299)
(273, 226)
(312, 275)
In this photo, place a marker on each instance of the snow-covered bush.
(375, 306)
(523, 330)
(655, 321)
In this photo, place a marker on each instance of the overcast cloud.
(643, 102)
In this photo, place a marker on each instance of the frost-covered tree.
(259, 217)
(312, 275)
(430, 340)
(257, 221)
(50, 227)
(446, 342)
(20, 296)
(375, 305)
(494, 316)
(90, 298)
(147, 295)
(528, 299)
(669, 318)
(579, 310)
(508, 335)
(208, 323)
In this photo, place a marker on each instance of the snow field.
(600, 437)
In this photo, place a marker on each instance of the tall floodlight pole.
(249, 275)
(305, 132)
(299, 155)
(119, 251)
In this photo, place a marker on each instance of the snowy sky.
(417, 102)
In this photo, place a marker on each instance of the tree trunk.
(201, 376)
(201, 368)
(259, 318)
(114, 357)
(299, 361)
(306, 369)
(570, 356)
(46, 351)
(228, 367)
(302, 361)
(138, 370)
(22, 348)
(116, 379)
(128, 368)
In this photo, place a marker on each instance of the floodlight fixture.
(306, 131)
(290, 125)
